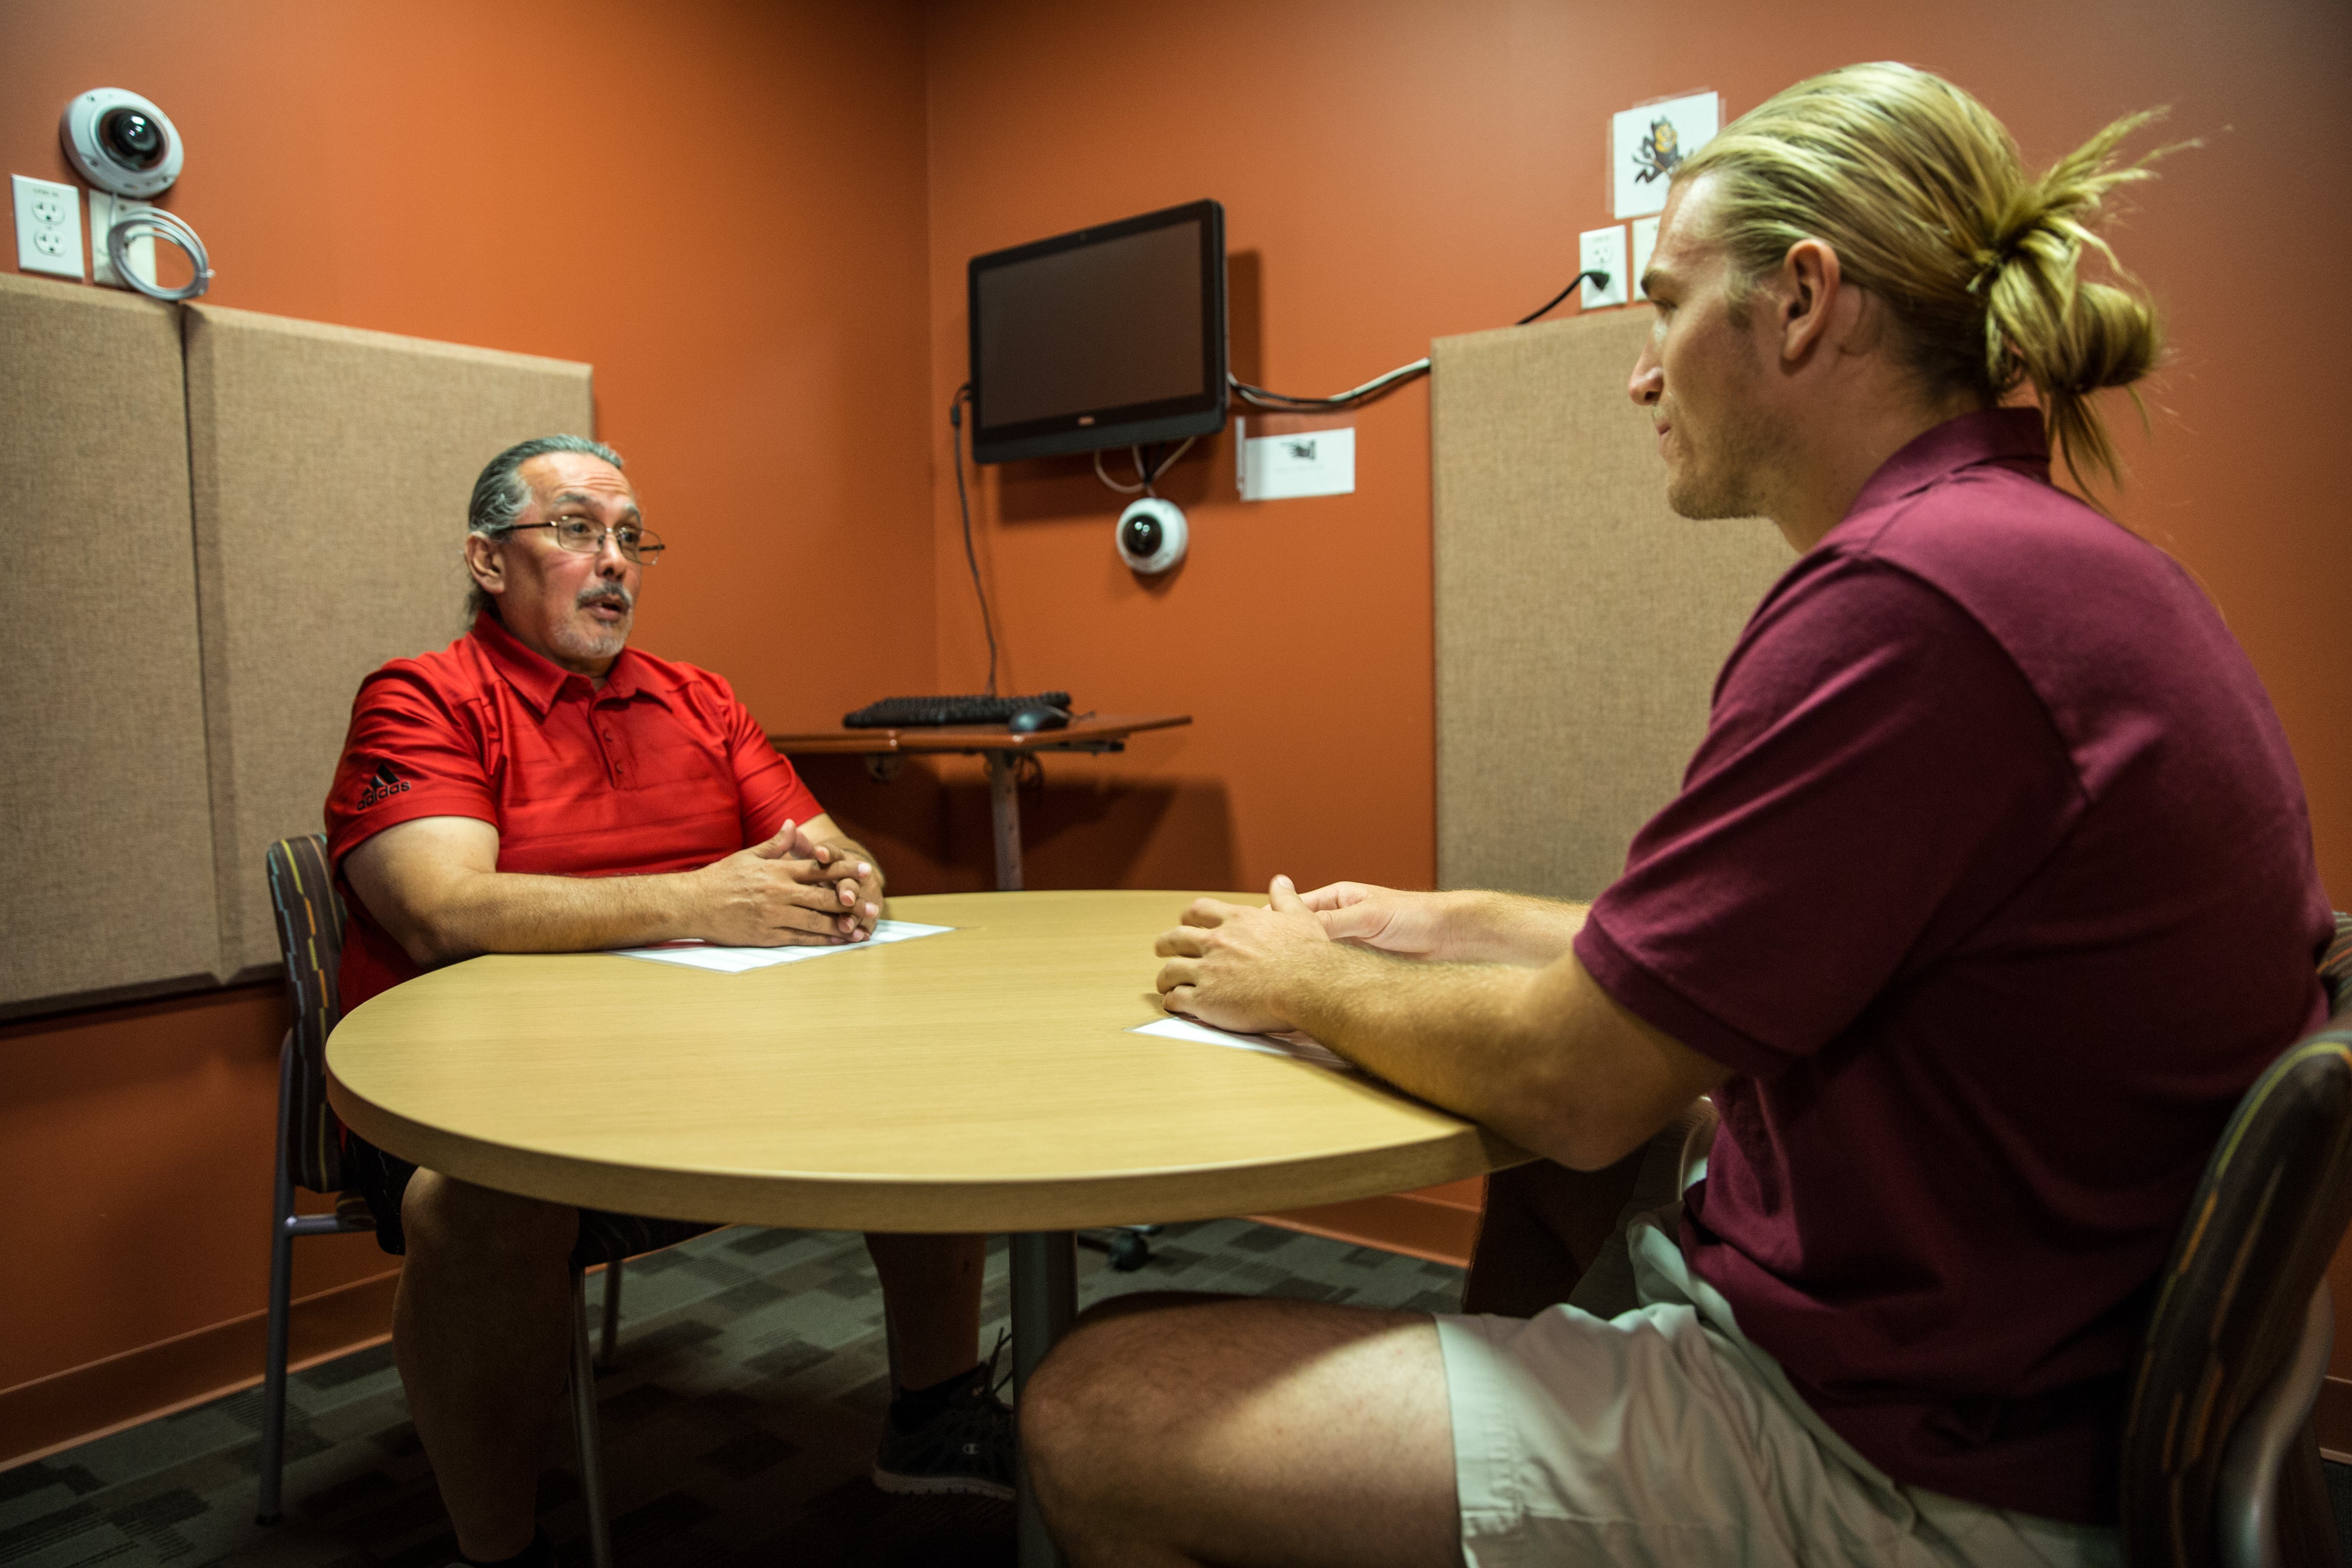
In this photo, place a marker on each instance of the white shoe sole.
(972, 1486)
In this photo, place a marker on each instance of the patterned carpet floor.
(739, 1424)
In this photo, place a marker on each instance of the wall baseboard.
(2331, 1420)
(70, 1407)
(1437, 1223)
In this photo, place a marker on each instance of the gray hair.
(500, 497)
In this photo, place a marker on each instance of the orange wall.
(776, 337)
(1395, 171)
(721, 206)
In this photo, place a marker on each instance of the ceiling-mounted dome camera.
(121, 142)
(1151, 535)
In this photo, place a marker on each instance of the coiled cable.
(130, 224)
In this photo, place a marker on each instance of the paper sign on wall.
(1646, 241)
(1305, 463)
(1648, 144)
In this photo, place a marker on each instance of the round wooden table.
(982, 1079)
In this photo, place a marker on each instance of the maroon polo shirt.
(659, 770)
(1992, 884)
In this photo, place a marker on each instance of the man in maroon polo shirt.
(1988, 892)
(540, 786)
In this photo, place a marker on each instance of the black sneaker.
(967, 1447)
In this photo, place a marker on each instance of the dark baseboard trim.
(70, 1407)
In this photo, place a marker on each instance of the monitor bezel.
(1127, 425)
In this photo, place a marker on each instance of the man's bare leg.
(1543, 1226)
(481, 1331)
(1173, 1430)
(930, 1293)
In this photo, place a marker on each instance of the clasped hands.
(793, 892)
(1257, 971)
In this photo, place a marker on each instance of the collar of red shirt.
(540, 680)
(2012, 436)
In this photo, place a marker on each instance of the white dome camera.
(1151, 535)
(121, 142)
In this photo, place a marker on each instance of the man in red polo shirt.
(540, 786)
(1988, 892)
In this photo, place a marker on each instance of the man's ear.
(486, 563)
(1813, 298)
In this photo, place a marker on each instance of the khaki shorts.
(1658, 1435)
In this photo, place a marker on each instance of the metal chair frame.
(352, 1218)
(2219, 1464)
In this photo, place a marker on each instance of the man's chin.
(594, 640)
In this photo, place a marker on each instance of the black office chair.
(2219, 1464)
(310, 1154)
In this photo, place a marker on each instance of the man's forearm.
(1484, 927)
(509, 912)
(1542, 1056)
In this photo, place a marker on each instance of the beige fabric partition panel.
(107, 849)
(331, 468)
(1579, 622)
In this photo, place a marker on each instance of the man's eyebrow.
(582, 498)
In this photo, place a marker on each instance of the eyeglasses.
(581, 537)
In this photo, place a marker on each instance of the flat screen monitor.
(1112, 336)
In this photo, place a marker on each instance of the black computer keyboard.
(909, 713)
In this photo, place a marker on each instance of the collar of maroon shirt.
(2010, 437)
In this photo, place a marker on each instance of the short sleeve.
(1877, 776)
(410, 753)
(770, 788)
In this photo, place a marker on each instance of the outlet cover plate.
(1602, 250)
(104, 208)
(49, 226)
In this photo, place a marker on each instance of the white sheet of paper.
(1297, 1047)
(736, 960)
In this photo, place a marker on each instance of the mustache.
(605, 594)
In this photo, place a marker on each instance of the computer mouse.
(1036, 717)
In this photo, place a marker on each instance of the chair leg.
(612, 1335)
(584, 1421)
(2307, 1518)
(281, 1289)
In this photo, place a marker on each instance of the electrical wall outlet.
(104, 209)
(1602, 250)
(49, 226)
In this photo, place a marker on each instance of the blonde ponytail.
(1921, 193)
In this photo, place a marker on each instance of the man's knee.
(450, 1219)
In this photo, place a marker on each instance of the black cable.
(1599, 278)
(963, 505)
(1378, 386)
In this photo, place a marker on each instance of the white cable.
(1122, 489)
(163, 225)
(1251, 394)
(1136, 453)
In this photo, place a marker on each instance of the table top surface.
(981, 1080)
(1097, 728)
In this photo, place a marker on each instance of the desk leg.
(1044, 1300)
(1004, 815)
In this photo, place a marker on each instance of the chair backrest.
(2273, 1204)
(310, 939)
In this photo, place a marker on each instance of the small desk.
(972, 1082)
(1001, 747)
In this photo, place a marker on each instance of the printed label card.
(1648, 144)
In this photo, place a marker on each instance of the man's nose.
(610, 561)
(1646, 382)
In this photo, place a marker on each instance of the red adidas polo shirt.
(661, 770)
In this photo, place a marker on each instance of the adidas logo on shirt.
(385, 784)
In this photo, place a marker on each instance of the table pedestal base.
(1044, 1300)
